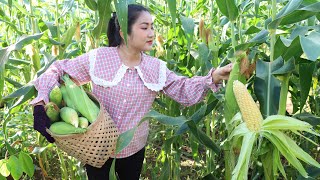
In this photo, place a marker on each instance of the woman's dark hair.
(113, 32)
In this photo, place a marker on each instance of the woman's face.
(142, 33)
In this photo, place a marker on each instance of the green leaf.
(20, 92)
(13, 82)
(92, 4)
(2, 177)
(279, 140)
(11, 150)
(164, 119)
(112, 172)
(21, 9)
(202, 137)
(24, 98)
(15, 167)
(104, 9)
(311, 45)
(2, 73)
(3, 168)
(299, 30)
(13, 26)
(122, 14)
(288, 48)
(294, 15)
(288, 67)
(228, 8)
(53, 30)
(267, 88)
(313, 173)
(300, 153)
(241, 169)
(305, 72)
(261, 37)
(5, 52)
(240, 130)
(204, 55)
(18, 62)
(196, 117)
(252, 30)
(27, 163)
(268, 162)
(67, 36)
(188, 27)
(124, 139)
(277, 163)
(280, 122)
(67, 5)
(173, 11)
(307, 117)
(165, 171)
(289, 7)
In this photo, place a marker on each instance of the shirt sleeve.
(188, 91)
(77, 68)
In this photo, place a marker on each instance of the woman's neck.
(129, 56)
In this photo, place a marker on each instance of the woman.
(126, 81)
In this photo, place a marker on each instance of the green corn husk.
(70, 116)
(66, 98)
(80, 99)
(83, 122)
(56, 96)
(52, 111)
(63, 128)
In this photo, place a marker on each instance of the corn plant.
(254, 130)
(278, 40)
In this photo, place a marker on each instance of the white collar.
(122, 70)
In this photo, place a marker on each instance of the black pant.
(128, 168)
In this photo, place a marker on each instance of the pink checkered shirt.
(127, 93)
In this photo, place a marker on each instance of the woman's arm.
(189, 91)
(77, 68)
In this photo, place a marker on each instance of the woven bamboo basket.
(95, 146)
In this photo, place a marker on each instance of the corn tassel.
(250, 112)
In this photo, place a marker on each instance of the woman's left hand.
(221, 73)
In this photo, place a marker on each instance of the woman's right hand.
(41, 121)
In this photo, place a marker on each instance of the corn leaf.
(112, 172)
(277, 164)
(240, 130)
(241, 169)
(124, 139)
(299, 134)
(236, 118)
(280, 122)
(202, 137)
(164, 119)
(279, 140)
(300, 153)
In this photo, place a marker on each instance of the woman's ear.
(121, 34)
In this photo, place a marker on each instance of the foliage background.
(281, 37)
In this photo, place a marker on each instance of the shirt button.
(128, 85)
(124, 100)
(130, 71)
(119, 117)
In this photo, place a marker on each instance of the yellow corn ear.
(250, 112)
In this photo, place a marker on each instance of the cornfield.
(271, 132)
